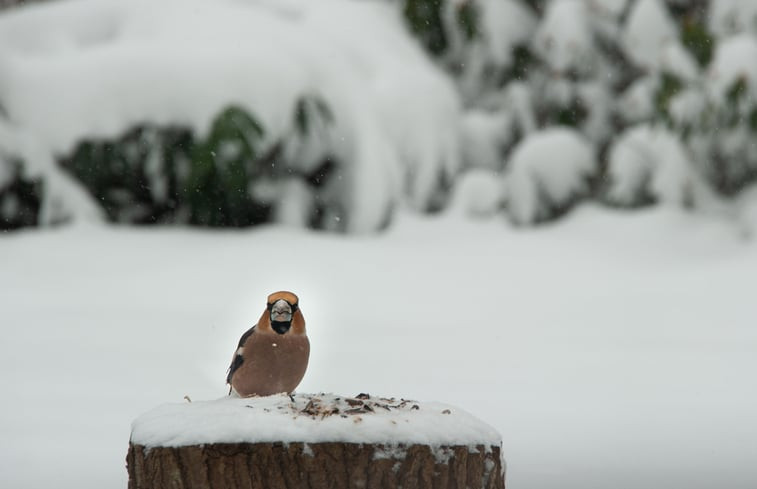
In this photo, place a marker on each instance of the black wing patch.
(235, 364)
(237, 361)
(246, 335)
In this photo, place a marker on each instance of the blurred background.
(541, 211)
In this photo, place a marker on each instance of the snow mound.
(678, 61)
(608, 8)
(310, 418)
(648, 30)
(747, 211)
(733, 61)
(687, 106)
(547, 171)
(651, 162)
(564, 38)
(484, 134)
(477, 194)
(729, 17)
(636, 103)
(504, 24)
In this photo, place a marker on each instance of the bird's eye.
(269, 306)
(294, 307)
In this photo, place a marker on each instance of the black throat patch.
(281, 327)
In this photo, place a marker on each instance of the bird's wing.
(237, 360)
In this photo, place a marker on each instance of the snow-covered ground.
(610, 350)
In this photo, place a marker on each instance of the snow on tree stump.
(313, 441)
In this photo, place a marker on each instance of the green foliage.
(572, 115)
(424, 17)
(536, 5)
(19, 200)
(168, 174)
(736, 92)
(222, 167)
(154, 174)
(670, 86)
(736, 108)
(699, 41)
(721, 135)
(307, 110)
(467, 19)
(117, 172)
(523, 61)
(752, 119)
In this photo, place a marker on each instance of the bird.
(272, 356)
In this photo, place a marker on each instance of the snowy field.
(611, 350)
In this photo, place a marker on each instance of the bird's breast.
(272, 363)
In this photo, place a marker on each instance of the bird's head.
(283, 310)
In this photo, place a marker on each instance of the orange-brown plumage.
(298, 321)
(272, 356)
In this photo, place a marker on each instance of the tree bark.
(314, 466)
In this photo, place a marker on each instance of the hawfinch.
(272, 355)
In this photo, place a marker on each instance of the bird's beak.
(281, 311)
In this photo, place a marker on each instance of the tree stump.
(313, 441)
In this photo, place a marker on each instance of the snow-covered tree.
(548, 172)
(337, 95)
(663, 91)
(332, 115)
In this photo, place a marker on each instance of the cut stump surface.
(323, 442)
